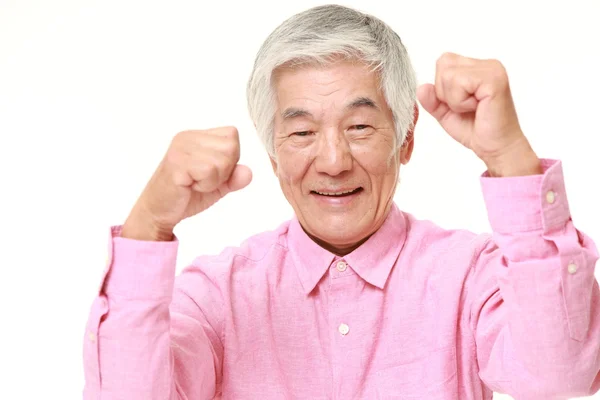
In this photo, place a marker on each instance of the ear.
(409, 143)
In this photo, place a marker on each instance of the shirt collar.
(372, 261)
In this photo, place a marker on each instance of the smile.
(337, 193)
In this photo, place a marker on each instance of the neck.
(338, 250)
(345, 249)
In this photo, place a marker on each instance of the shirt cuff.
(527, 203)
(138, 269)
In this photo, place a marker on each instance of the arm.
(533, 299)
(146, 338)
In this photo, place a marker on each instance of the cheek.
(292, 166)
(375, 162)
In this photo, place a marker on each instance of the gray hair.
(321, 35)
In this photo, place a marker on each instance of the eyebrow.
(362, 102)
(295, 112)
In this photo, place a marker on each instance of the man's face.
(334, 142)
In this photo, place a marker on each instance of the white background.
(91, 93)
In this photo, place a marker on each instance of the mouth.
(337, 193)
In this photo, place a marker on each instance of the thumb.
(430, 102)
(239, 179)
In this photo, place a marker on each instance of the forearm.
(519, 160)
(139, 226)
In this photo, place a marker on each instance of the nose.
(333, 154)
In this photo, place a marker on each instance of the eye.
(301, 133)
(359, 127)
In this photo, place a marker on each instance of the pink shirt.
(416, 312)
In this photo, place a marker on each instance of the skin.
(333, 132)
(472, 101)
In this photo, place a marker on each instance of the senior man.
(352, 298)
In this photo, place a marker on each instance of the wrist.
(519, 161)
(139, 226)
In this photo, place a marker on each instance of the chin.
(339, 231)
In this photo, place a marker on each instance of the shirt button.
(550, 197)
(572, 268)
(92, 337)
(344, 329)
(341, 266)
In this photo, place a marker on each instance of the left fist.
(472, 101)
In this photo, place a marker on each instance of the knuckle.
(209, 174)
(496, 64)
(445, 59)
(232, 149)
(499, 75)
(230, 132)
(447, 75)
(182, 138)
(212, 170)
(448, 79)
(188, 134)
(173, 156)
(440, 62)
(218, 165)
(179, 177)
(183, 135)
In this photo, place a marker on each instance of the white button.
(572, 268)
(344, 329)
(341, 266)
(92, 337)
(550, 197)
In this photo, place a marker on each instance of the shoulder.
(428, 236)
(208, 278)
(253, 250)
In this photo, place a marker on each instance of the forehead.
(333, 83)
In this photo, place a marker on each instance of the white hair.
(321, 35)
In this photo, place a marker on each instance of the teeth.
(335, 193)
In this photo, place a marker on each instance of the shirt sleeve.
(147, 335)
(533, 299)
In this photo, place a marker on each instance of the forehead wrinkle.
(319, 92)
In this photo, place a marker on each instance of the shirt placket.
(341, 278)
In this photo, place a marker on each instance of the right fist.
(199, 168)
